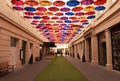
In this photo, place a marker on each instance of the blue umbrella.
(85, 23)
(41, 24)
(36, 17)
(67, 21)
(69, 13)
(72, 3)
(91, 17)
(99, 8)
(30, 9)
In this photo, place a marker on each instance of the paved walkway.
(94, 72)
(91, 72)
(28, 73)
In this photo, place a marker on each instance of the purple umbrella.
(87, 2)
(65, 9)
(64, 18)
(79, 14)
(18, 8)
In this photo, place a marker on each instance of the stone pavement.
(94, 72)
(28, 73)
(91, 72)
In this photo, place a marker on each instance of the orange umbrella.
(31, 2)
(100, 2)
(59, 14)
(54, 9)
(73, 18)
(38, 13)
(90, 13)
(48, 13)
(45, 3)
(77, 9)
(59, 3)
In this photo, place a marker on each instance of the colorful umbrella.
(29, 13)
(82, 17)
(67, 21)
(28, 17)
(55, 18)
(41, 9)
(18, 8)
(30, 9)
(99, 8)
(48, 13)
(72, 18)
(59, 21)
(77, 9)
(65, 9)
(59, 3)
(31, 2)
(72, 3)
(38, 13)
(90, 13)
(59, 14)
(69, 13)
(89, 8)
(87, 2)
(64, 18)
(45, 3)
(84, 21)
(54, 9)
(79, 13)
(100, 2)
(17, 2)
(36, 17)
(46, 17)
(91, 17)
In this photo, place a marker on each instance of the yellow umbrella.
(82, 18)
(89, 8)
(45, 3)
(48, 14)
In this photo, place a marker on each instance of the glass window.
(13, 42)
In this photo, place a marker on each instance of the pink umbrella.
(17, 2)
(65, 9)
(87, 2)
(42, 9)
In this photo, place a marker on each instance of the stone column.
(108, 49)
(94, 44)
(28, 52)
(86, 51)
(75, 54)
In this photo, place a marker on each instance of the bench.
(6, 68)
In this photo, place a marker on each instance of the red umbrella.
(84, 21)
(77, 9)
(42, 9)
(90, 13)
(38, 13)
(31, 2)
(55, 18)
(17, 2)
(59, 3)
(100, 2)
(54, 9)
(46, 17)
(73, 18)
(29, 13)
(59, 21)
(65, 9)
(59, 14)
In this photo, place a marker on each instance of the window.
(13, 42)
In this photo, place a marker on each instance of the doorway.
(23, 52)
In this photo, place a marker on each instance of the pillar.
(94, 44)
(108, 49)
(86, 51)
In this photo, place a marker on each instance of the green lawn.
(60, 70)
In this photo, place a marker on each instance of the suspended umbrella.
(65, 9)
(48, 13)
(31, 2)
(75, 21)
(28, 17)
(73, 18)
(89, 8)
(43, 21)
(99, 8)
(59, 3)
(54, 9)
(82, 17)
(45, 3)
(87, 2)
(100, 2)
(91, 17)
(90, 13)
(35, 21)
(29, 13)
(67, 21)
(30, 9)
(72, 3)
(55, 24)
(84, 21)
(55, 18)
(79, 13)
(77, 9)
(36, 17)
(46, 17)
(18, 8)
(41, 24)
(41, 9)
(51, 21)
(69, 13)
(17, 2)
(63, 24)
(59, 14)
(59, 21)
(38, 13)
(64, 18)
